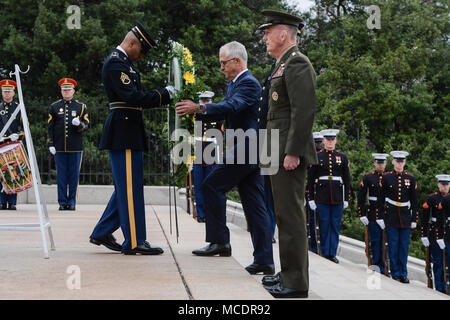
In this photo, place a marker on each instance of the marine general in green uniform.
(291, 111)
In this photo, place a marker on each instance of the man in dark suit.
(240, 108)
(124, 136)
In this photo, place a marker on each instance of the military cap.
(67, 84)
(399, 155)
(329, 133)
(317, 136)
(274, 17)
(443, 178)
(8, 85)
(206, 95)
(380, 157)
(146, 41)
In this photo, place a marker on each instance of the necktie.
(230, 87)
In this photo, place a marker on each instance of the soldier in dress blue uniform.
(446, 208)
(370, 191)
(398, 213)
(67, 120)
(7, 107)
(311, 224)
(125, 139)
(202, 170)
(330, 179)
(432, 228)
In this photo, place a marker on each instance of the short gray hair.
(235, 49)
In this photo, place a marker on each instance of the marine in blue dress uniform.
(67, 120)
(203, 169)
(330, 179)
(368, 194)
(398, 210)
(432, 229)
(7, 107)
(125, 139)
(446, 208)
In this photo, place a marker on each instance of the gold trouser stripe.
(130, 198)
(78, 182)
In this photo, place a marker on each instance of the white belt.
(373, 198)
(331, 178)
(433, 219)
(399, 204)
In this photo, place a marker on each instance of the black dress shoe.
(396, 278)
(145, 249)
(61, 208)
(108, 241)
(223, 250)
(270, 281)
(332, 258)
(278, 291)
(12, 207)
(3, 206)
(201, 220)
(255, 268)
(404, 280)
(71, 208)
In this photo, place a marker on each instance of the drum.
(15, 173)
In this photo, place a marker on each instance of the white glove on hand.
(14, 137)
(441, 243)
(364, 220)
(345, 204)
(52, 150)
(171, 90)
(413, 225)
(425, 241)
(312, 205)
(381, 223)
(76, 121)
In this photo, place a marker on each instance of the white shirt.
(239, 74)
(121, 49)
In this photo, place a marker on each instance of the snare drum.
(15, 173)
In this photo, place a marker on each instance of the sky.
(302, 5)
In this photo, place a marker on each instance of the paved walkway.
(175, 275)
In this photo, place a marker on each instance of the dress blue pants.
(376, 245)
(269, 203)
(330, 218)
(67, 176)
(398, 242)
(8, 198)
(437, 257)
(126, 207)
(200, 172)
(251, 190)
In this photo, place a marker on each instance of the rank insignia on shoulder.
(125, 78)
(131, 70)
(114, 54)
(279, 72)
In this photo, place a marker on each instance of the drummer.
(67, 120)
(7, 107)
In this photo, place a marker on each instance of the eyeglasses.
(223, 63)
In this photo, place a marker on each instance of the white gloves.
(14, 137)
(171, 90)
(425, 241)
(76, 121)
(364, 220)
(312, 205)
(52, 150)
(441, 243)
(381, 223)
(345, 204)
(413, 225)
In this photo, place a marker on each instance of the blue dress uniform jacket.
(369, 184)
(446, 208)
(432, 218)
(329, 176)
(62, 134)
(398, 202)
(124, 126)
(6, 109)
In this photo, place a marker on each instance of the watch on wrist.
(202, 108)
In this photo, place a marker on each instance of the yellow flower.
(188, 56)
(189, 78)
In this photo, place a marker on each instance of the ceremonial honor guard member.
(398, 210)
(446, 208)
(7, 107)
(67, 120)
(124, 138)
(202, 170)
(330, 179)
(432, 228)
(369, 192)
(311, 213)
